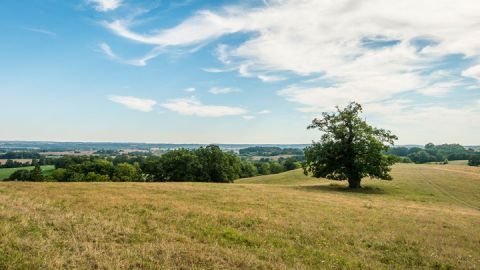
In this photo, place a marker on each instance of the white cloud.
(265, 112)
(270, 78)
(439, 89)
(192, 106)
(472, 72)
(332, 41)
(248, 117)
(134, 103)
(222, 54)
(107, 50)
(222, 90)
(190, 89)
(105, 5)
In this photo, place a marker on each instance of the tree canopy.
(349, 148)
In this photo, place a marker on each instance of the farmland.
(427, 217)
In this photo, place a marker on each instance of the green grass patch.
(6, 172)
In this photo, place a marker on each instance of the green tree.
(216, 165)
(125, 172)
(180, 165)
(95, 177)
(59, 175)
(474, 161)
(349, 149)
(275, 167)
(247, 169)
(291, 163)
(20, 175)
(264, 168)
(36, 174)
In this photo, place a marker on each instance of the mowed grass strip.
(309, 224)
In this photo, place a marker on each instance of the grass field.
(427, 218)
(6, 172)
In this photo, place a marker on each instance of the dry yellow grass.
(428, 217)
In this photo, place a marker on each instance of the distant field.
(6, 172)
(427, 218)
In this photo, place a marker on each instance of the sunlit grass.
(426, 218)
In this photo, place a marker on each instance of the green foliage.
(422, 157)
(349, 149)
(94, 177)
(20, 175)
(20, 155)
(264, 168)
(276, 167)
(247, 169)
(269, 151)
(178, 165)
(125, 172)
(217, 166)
(33, 174)
(291, 164)
(474, 160)
(206, 164)
(58, 174)
(432, 153)
(36, 174)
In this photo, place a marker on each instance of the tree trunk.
(354, 183)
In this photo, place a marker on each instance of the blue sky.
(237, 72)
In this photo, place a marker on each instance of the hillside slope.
(426, 218)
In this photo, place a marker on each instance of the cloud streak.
(222, 90)
(192, 106)
(134, 103)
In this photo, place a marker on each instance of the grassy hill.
(427, 218)
(6, 172)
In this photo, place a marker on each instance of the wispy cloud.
(105, 5)
(41, 31)
(287, 39)
(222, 90)
(472, 72)
(134, 103)
(190, 89)
(265, 112)
(248, 117)
(192, 106)
(107, 50)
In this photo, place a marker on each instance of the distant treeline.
(20, 155)
(270, 151)
(10, 163)
(205, 164)
(433, 153)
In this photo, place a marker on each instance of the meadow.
(426, 218)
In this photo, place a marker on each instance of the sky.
(251, 71)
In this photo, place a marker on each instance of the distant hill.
(92, 146)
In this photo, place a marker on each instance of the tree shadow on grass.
(344, 189)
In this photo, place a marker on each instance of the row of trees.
(205, 164)
(432, 153)
(10, 163)
(20, 155)
(269, 151)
